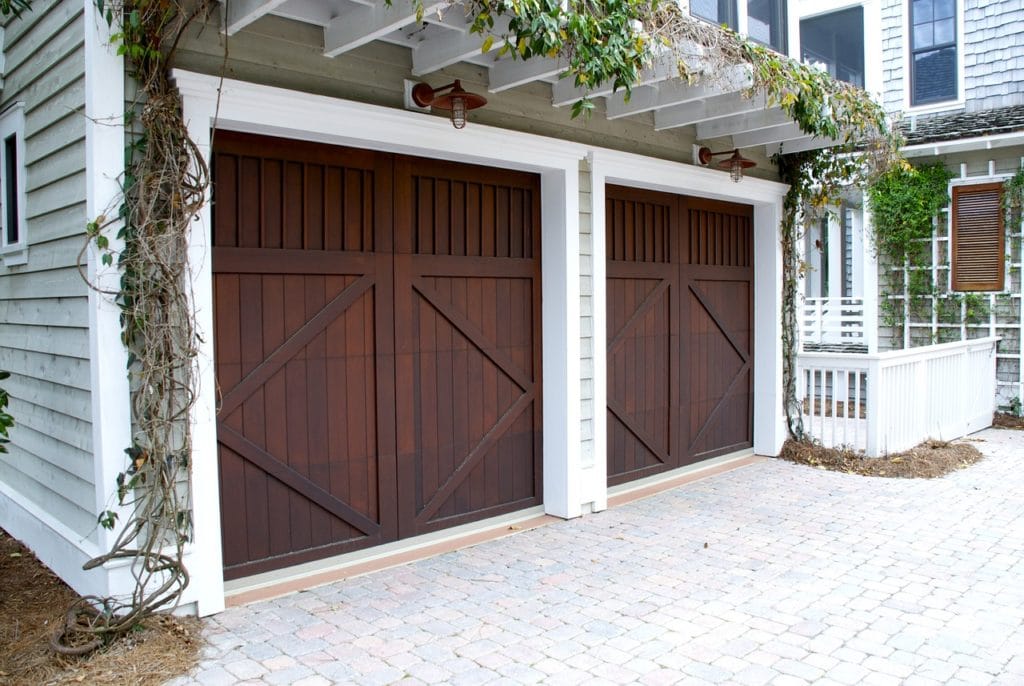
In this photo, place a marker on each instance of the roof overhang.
(1000, 140)
(721, 110)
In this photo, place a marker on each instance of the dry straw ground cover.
(32, 604)
(925, 461)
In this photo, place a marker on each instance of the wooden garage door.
(680, 335)
(377, 337)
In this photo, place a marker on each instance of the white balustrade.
(832, 322)
(888, 402)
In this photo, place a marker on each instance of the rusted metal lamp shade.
(735, 164)
(457, 100)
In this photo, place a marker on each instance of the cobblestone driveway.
(770, 574)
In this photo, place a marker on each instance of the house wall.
(939, 319)
(44, 317)
(991, 55)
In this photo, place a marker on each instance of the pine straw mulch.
(1007, 421)
(925, 461)
(33, 601)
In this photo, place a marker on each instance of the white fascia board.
(1001, 140)
(280, 112)
(676, 177)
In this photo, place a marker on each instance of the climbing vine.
(164, 185)
(6, 420)
(904, 203)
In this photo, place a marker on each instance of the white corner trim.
(104, 164)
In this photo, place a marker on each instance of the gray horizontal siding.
(44, 304)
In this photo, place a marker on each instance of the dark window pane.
(944, 32)
(922, 36)
(835, 43)
(715, 11)
(934, 76)
(944, 9)
(766, 22)
(922, 11)
(11, 187)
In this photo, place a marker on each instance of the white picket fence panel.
(832, 321)
(888, 402)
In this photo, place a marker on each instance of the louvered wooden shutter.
(978, 242)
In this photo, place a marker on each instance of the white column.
(599, 473)
(769, 413)
(835, 258)
(560, 293)
(869, 284)
(204, 554)
(104, 164)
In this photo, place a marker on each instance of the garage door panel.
(717, 367)
(327, 258)
(466, 402)
(679, 330)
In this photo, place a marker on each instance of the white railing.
(832, 322)
(888, 402)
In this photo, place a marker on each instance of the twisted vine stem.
(165, 184)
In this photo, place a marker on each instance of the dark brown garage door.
(680, 334)
(377, 347)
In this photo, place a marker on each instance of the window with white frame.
(933, 51)
(13, 238)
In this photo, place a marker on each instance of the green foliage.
(6, 420)
(903, 203)
(1015, 406)
(14, 7)
(1013, 199)
(599, 41)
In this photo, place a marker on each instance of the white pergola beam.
(436, 53)
(360, 25)
(716, 106)
(565, 92)
(772, 134)
(743, 122)
(511, 72)
(308, 11)
(665, 94)
(450, 17)
(241, 13)
(801, 145)
(676, 92)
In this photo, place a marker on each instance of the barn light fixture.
(735, 164)
(456, 99)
